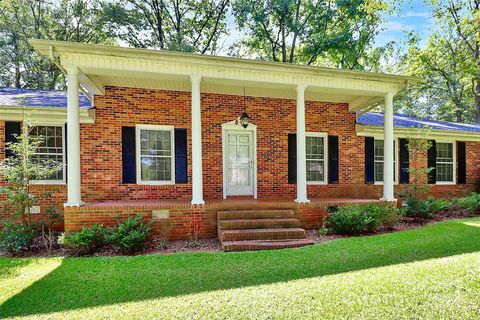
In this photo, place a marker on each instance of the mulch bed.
(213, 245)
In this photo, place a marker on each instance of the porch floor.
(235, 202)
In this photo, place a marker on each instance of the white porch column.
(301, 149)
(197, 178)
(74, 194)
(388, 149)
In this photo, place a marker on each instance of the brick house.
(161, 134)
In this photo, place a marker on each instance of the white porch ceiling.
(102, 66)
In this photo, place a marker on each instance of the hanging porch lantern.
(244, 120)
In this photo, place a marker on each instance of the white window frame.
(325, 156)
(64, 164)
(140, 127)
(395, 162)
(454, 154)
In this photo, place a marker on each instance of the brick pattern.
(101, 160)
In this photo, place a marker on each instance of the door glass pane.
(244, 139)
(243, 154)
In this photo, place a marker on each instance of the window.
(445, 162)
(50, 148)
(155, 154)
(316, 157)
(379, 160)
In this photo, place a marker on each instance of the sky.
(411, 15)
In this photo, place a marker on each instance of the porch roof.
(102, 66)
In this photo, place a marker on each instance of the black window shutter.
(432, 162)
(11, 129)
(333, 159)
(462, 163)
(369, 160)
(65, 152)
(292, 158)
(404, 161)
(181, 163)
(129, 174)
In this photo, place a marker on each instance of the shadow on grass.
(89, 282)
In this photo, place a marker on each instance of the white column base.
(388, 200)
(198, 202)
(74, 204)
(305, 200)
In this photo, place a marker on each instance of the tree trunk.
(477, 101)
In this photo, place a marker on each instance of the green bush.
(470, 202)
(16, 237)
(84, 241)
(425, 208)
(352, 219)
(130, 234)
(356, 218)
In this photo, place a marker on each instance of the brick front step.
(259, 223)
(262, 234)
(254, 214)
(249, 245)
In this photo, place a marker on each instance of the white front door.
(239, 163)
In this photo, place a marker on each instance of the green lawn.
(433, 272)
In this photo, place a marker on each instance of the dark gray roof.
(406, 121)
(38, 98)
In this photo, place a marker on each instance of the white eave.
(102, 66)
(43, 114)
(399, 132)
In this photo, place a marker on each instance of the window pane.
(156, 168)
(315, 155)
(444, 172)
(315, 170)
(51, 146)
(444, 165)
(155, 142)
(156, 155)
(444, 152)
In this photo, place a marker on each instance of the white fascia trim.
(51, 115)
(140, 127)
(448, 135)
(323, 135)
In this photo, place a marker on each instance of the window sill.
(156, 183)
(48, 183)
(316, 183)
(445, 183)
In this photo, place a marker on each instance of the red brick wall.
(101, 159)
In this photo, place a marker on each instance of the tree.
(444, 68)
(297, 31)
(464, 17)
(180, 25)
(20, 20)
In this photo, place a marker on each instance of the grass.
(432, 272)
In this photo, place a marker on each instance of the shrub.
(351, 219)
(470, 202)
(386, 215)
(16, 237)
(130, 234)
(425, 208)
(84, 241)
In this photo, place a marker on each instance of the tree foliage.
(66, 20)
(180, 25)
(297, 31)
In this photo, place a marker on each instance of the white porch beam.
(301, 149)
(388, 149)
(197, 174)
(92, 84)
(74, 198)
